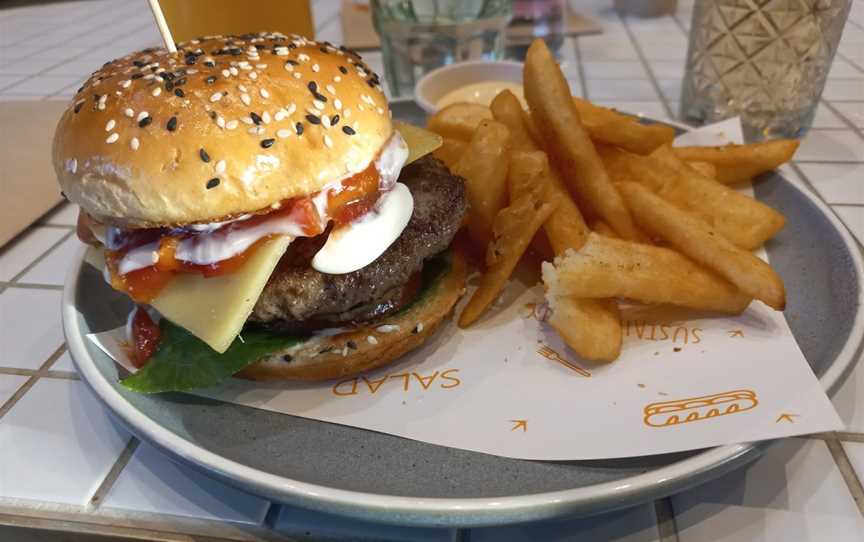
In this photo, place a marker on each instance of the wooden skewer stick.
(163, 25)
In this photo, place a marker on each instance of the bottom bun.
(351, 351)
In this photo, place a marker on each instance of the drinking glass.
(766, 61)
(420, 35)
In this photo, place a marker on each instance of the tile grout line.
(852, 126)
(112, 475)
(25, 387)
(32, 286)
(667, 529)
(39, 258)
(651, 78)
(847, 471)
(849, 60)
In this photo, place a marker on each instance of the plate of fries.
(603, 210)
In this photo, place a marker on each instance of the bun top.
(225, 126)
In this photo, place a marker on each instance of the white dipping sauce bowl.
(436, 84)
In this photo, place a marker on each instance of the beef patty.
(297, 295)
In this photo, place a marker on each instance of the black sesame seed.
(416, 329)
(313, 119)
(169, 85)
(168, 76)
(179, 92)
(287, 358)
(79, 89)
(312, 86)
(260, 46)
(191, 60)
(137, 75)
(292, 46)
(299, 128)
(180, 82)
(211, 79)
(267, 143)
(343, 69)
(78, 107)
(154, 68)
(213, 115)
(256, 118)
(348, 130)
(209, 63)
(171, 125)
(145, 121)
(352, 345)
(334, 120)
(292, 62)
(138, 64)
(213, 183)
(325, 350)
(204, 156)
(324, 50)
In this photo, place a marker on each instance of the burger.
(253, 197)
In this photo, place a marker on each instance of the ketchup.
(356, 196)
(145, 337)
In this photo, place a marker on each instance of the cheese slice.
(215, 309)
(420, 142)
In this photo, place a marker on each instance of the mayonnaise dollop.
(213, 244)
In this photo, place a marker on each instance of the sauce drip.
(145, 337)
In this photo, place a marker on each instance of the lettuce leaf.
(183, 362)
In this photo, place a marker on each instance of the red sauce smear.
(145, 338)
(357, 196)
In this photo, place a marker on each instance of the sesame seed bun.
(223, 127)
(369, 347)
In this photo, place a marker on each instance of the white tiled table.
(62, 457)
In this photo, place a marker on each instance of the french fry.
(507, 110)
(705, 245)
(612, 128)
(591, 327)
(484, 166)
(739, 163)
(458, 120)
(607, 267)
(450, 151)
(706, 169)
(603, 229)
(744, 221)
(553, 110)
(513, 229)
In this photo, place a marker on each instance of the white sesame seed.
(253, 76)
(337, 79)
(245, 99)
(234, 71)
(283, 133)
(216, 97)
(347, 112)
(302, 57)
(226, 73)
(419, 327)
(261, 66)
(252, 130)
(247, 120)
(331, 89)
(325, 121)
(280, 115)
(72, 165)
(193, 71)
(318, 104)
(367, 99)
(387, 328)
(126, 83)
(264, 93)
(142, 115)
(265, 116)
(149, 76)
(220, 122)
(112, 138)
(297, 75)
(242, 88)
(371, 339)
(134, 143)
(337, 103)
(328, 141)
(360, 107)
(291, 109)
(220, 166)
(129, 113)
(316, 68)
(157, 91)
(380, 110)
(110, 125)
(289, 67)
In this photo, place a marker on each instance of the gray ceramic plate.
(379, 477)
